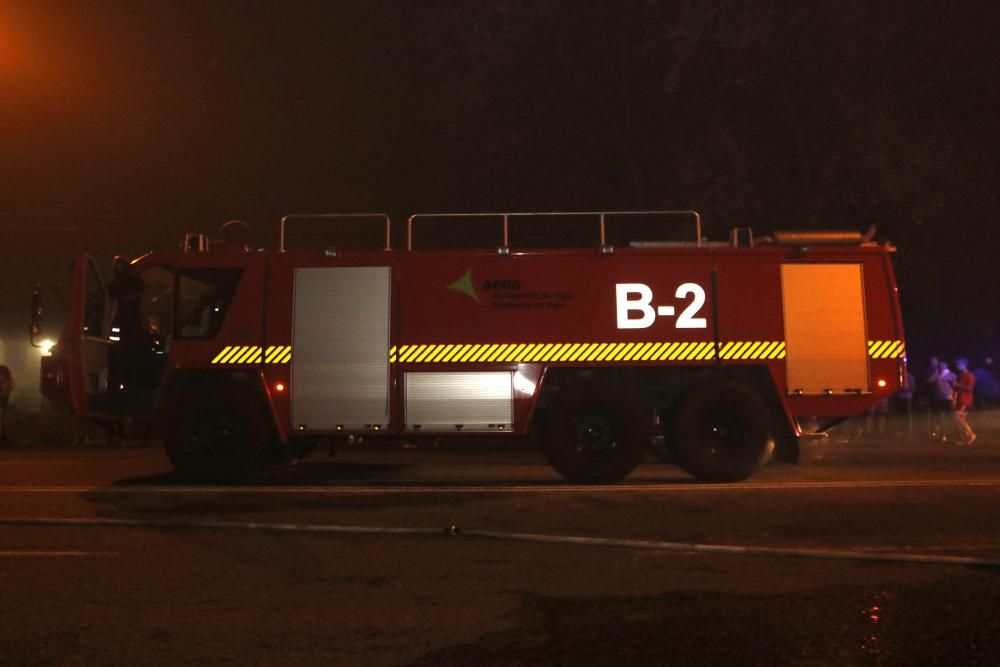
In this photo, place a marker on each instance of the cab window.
(156, 306)
(203, 296)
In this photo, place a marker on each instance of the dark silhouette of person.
(125, 291)
(6, 388)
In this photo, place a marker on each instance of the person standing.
(965, 381)
(6, 388)
(125, 291)
(903, 402)
(939, 383)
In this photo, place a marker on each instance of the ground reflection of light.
(872, 644)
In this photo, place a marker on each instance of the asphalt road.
(878, 553)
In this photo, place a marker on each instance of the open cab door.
(83, 349)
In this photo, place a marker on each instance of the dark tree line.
(773, 114)
(769, 113)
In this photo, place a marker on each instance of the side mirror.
(36, 315)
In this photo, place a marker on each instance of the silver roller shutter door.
(340, 353)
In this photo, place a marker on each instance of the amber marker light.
(279, 387)
(881, 383)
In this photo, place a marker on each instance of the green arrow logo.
(465, 286)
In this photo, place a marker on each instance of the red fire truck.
(721, 347)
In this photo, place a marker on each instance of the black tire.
(721, 432)
(596, 433)
(220, 436)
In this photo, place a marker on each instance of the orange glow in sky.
(14, 58)
(47, 57)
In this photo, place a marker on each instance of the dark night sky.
(136, 121)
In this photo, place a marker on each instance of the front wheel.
(721, 432)
(215, 439)
(596, 433)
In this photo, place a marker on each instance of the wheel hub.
(595, 432)
(725, 432)
(218, 435)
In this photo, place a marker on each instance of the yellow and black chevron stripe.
(559, 352)
(588, 352)
(752, 350)
(254, 354)
(886, 349)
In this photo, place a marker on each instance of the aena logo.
(634, 309)
(466, 286)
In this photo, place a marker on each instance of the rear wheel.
(721, 432)
(218, 439)
(596, 433)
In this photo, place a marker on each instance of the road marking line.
(674, 486)
(55, 554)
(454, 532)
(741, 550)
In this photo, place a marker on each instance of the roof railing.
(602, 218)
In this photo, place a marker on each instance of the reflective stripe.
(478, 353)
(253, 354)
(426, 353)
(677, 352)
(439, 353)
(514, 352)
(739, 349)
(621, 351)
(651, 352)
(886, 349)
(707, 353)
(413, 351)
(601, 352)
(485, 353)
(641, 350)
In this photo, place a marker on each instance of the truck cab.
(112, 356)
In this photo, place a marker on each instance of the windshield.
(202, 300)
